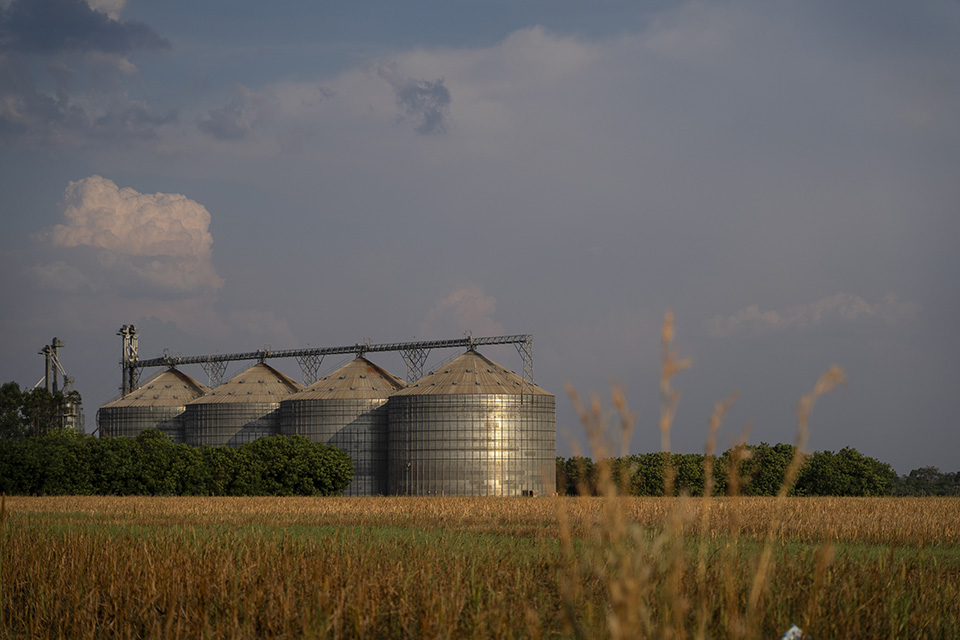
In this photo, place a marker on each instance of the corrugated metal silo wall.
(355, 425)
(230, 424)
(472, 445)
(132, 421)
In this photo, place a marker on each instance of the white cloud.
(426, 102)
(466, 309)
(110, 7)
(838, 307)
(159, 243)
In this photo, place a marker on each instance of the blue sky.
(782, 176)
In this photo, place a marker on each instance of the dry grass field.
(103, 567)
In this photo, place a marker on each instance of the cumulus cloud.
(426, 102)
(838, 307)
(84, 49)
(154, 244)
(29, 114)
(110, 7)
(466, 309)
(54, 26)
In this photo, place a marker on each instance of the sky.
(230, 176)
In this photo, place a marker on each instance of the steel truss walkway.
(414, 355)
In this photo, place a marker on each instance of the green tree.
(767, 468)
(115, 467)
(66, 467)
(927, 481)
(219, 467)
(20, 467)
(12, 423)
(36, 412)
(66, 462)
(581, 476)
(187, 469)
(646, 474)
(689, 470)
(156, 463)
(247, 479)
(845, 473)
(561, 477)
(761, 470)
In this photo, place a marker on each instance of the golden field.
(135, 567)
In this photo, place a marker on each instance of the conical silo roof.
(259, 383)
(471, 374)
(357, 379)
(170, 388)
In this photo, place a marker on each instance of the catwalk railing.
(414, 355)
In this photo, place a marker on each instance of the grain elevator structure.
(471, 427)
(158, 404)
(239, 411)
(348, 409)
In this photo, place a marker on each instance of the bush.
(760, 472)
(927, 481)
(845, 473)
(69, 463)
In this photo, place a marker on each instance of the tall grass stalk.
(653, 584)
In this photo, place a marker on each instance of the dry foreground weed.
(408, 567)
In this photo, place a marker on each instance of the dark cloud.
(226, 123)
(25, 110)
(425, 101)
(55, 26)
(238, 119)
(132, 120)
(29, 114)
(83, 47)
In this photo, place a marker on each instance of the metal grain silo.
(347, 409)
(239, 411)
(472, 428)
(158, 404)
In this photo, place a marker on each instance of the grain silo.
(239, 411)
(158, 404)
(347, 409)
(472, 428)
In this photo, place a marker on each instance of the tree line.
(69, 463)
(751, 470)
(33, 412)
(928, 481)
(38, 457)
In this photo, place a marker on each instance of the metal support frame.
(525, 349)
(47, 366)
(310, 366)
(68, 411)
(414, 355)
(414, 358)
(215, 371)
(52, 369)
(129, 359)
(55, 345)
